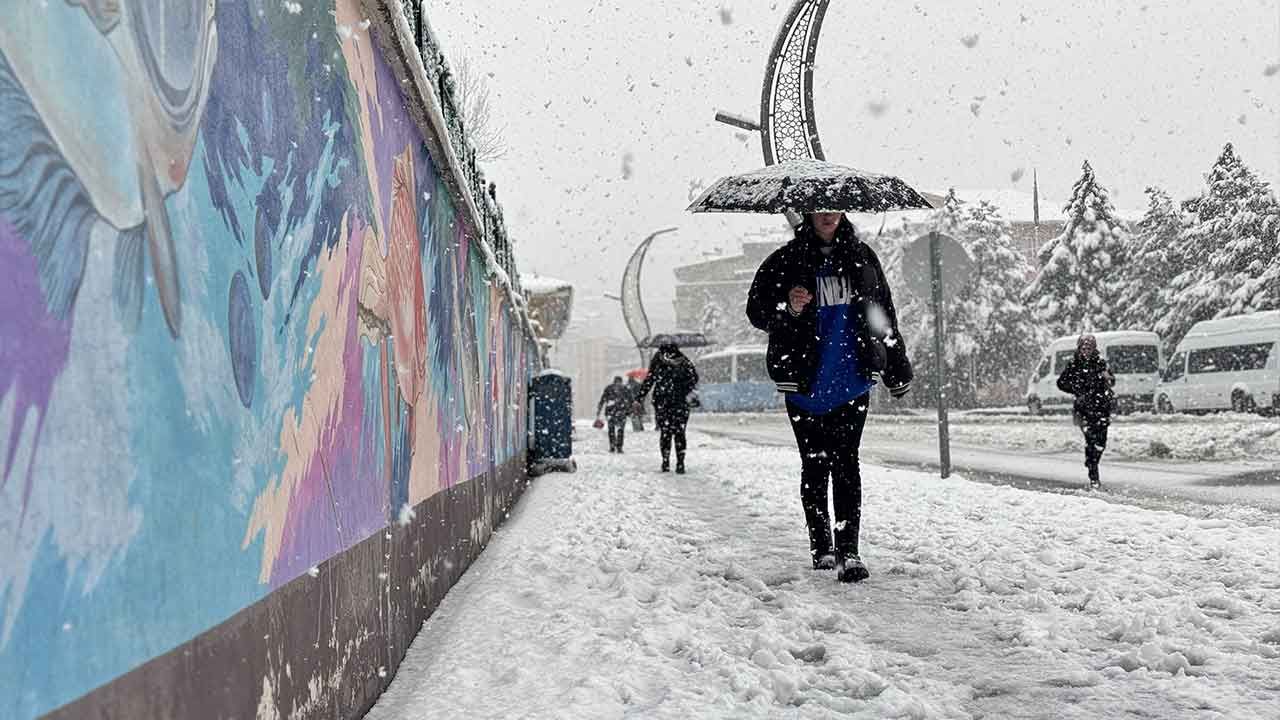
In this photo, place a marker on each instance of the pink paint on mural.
(324, 500)
(404, 282)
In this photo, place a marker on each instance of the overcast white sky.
(1148, 92)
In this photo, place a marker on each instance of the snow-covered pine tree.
(1232, 238)
(727, 328)
(1001, 327)
(991, 334)
(1078, 286)
(1152, 260)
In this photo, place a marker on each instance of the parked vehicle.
(1225, 364)
(736, 380)
(1133, 356)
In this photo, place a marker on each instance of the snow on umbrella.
(806, 186)
(679, 339)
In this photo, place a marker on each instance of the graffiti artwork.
(241, 327)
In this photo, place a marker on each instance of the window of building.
(751, 368)
(715, 370)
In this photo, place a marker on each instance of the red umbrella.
(638, 374)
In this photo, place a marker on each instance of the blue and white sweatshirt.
(837, 380)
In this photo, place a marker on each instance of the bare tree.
(487, 136)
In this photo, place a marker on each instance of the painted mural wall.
(241, 328)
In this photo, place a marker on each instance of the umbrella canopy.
(638, 374)
(807, 186)
(680, 339)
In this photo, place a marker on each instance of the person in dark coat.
(833, 330)
(672, 378)
(615, 404)
(637, 406)
(1088, 378)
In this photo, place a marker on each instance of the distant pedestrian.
(637, 405)
(673, 379)
(824, 300)
(615, 404)
(1088, 378)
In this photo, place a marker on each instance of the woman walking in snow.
(824, 300)
(672, 378)
(1088, 378)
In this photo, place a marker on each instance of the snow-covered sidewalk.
(622, 592)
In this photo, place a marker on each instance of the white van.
(1134, 356)
(1226, 364)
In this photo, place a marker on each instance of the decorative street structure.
(787, 127)
(632, 305)
(923, 264)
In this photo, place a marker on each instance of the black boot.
(666, 464)
(1095, 480)
(680, 464)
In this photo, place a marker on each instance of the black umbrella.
(681, 339)
(807, 186)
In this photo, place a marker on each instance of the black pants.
(1095, 441)
(617, 429)
(671, 425)
(829, 452)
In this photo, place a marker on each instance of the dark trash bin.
(551, 423)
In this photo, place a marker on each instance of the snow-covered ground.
(622, 592)
(1143, 436)
(1045, 453)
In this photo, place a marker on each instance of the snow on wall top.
(541, 285)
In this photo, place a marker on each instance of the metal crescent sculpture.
(788, 129)
(632, 307)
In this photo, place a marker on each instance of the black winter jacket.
(671, 378)
(1089, 379)
(793, 356)
(615, 401)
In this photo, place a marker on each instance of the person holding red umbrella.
(637, 405)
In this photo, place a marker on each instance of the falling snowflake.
(406, 514)
(970, 41)
(726, 15)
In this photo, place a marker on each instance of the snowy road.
(620, 592)
(1046, 454)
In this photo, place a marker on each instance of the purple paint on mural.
(33, 348)
(335, 505)
(392, 132)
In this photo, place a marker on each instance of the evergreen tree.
(999, 321)
(1152, 261)
(1232, 246)
(1078, 287)
(991, 336)
(727, 328)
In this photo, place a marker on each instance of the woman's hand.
(798, 300)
